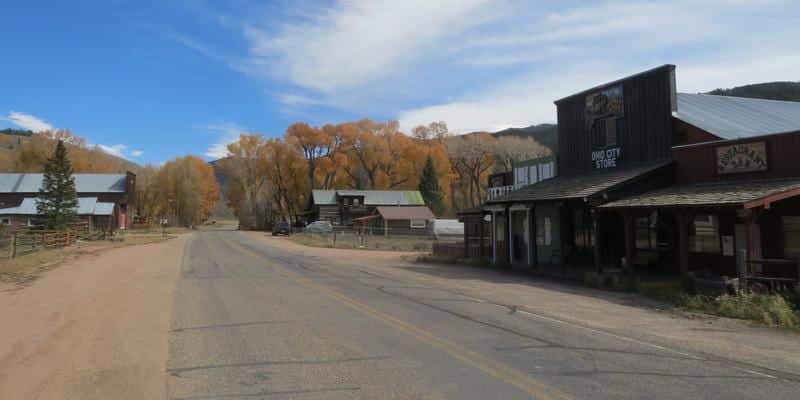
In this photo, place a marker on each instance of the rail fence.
(19, 243)
(401, 239)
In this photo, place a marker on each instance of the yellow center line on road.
(491, 367)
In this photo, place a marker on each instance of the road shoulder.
(94, 328)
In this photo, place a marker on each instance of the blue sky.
(153, 80)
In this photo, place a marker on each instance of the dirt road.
(94, 328)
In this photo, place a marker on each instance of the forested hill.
(788, 91)
(545, 134)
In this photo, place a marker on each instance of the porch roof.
(749, 194)
(579, 186)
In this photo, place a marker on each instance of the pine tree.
(429, 187)
(58, 199)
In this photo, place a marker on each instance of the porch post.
(532, 228)
(494, 237)
(629, 239)
(480, 226)
(683, 219)
(527, 234)
(509, 240)
(596, 233)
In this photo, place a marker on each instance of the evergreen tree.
(58, 199)
(429, 187)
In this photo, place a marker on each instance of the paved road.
(254, 319)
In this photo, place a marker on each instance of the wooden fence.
(28, 242)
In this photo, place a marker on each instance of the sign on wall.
(742, 157)
(606, 158)
(605, 103)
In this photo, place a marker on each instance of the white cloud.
(296, 100)
(357, 42)
(522, 101)
(28, 121)
(136, 153)
(229, 133)
(115, 149)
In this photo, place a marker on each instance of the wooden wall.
(644, 132)
(698, 163)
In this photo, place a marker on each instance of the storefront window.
(646, 232)
(704, 235)
(791, 236)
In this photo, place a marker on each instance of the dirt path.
(94, 328)
(622, 314)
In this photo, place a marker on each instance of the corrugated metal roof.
(371, 197)
(324, 197)
(86, 206)
(102, 208)
(84, 183)
(707, 194)
(412, 212)
(737, 117)
(578, 186)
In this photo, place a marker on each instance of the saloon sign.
(743, 157)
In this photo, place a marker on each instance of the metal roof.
(86, 206)
(708, 194)
(371, 197)
(736, 117)
(414, 212)
(579, 186)
(84, 183)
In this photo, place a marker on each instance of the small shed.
(410, 220)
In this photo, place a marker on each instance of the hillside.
(546, 134)
(12, 140)
(787, 91)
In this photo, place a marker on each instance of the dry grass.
(410, 244)
(25, 269)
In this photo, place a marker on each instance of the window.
(356, 202)
(533, 175)
(5, 221)
(646, 232)
(31, 223)
(346, 201)
(418, 223)
(704, 234)
(791, 236)
(604, 132)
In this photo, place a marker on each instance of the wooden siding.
(644, 133)
(698, 163)
(690, 134)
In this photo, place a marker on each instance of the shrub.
(768, 309)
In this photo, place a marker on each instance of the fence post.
(12, 248)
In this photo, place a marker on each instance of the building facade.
(105, 201)
(343, 207)
(658, 179)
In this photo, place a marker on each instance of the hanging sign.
(742, 157)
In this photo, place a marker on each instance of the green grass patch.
(767, 309)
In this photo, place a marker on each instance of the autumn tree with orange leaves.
(188, 190)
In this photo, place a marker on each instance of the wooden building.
(342, 207)
(393, 220)
(634, 151)
(105, 201)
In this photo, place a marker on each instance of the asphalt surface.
(253, 319)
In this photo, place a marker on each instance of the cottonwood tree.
(472, 159)
(58, 200)
(188, 189)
